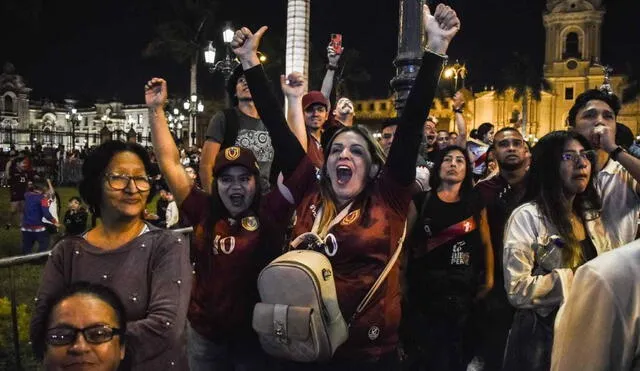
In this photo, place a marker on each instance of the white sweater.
(598, 328)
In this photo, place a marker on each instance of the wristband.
(443, 56)
(616, 152)
(331, 67)
(458, 110)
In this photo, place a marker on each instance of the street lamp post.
(193, 106)
(409, 58)
(226, 64)
(175, 120)
(74, 118)
(454, 71)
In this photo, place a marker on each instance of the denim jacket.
(534, 272)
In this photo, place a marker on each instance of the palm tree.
(527, 81)
(182, 36)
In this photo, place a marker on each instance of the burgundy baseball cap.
(236, 156)
(314, 97)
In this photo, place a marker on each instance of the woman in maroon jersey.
(229, 232)
(373, 197)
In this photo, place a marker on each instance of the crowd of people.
(499, 242)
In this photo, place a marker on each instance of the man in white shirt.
(598, 326)
(594, 116)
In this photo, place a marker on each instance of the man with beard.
(240, 126)
(316, 113)
(501, 193)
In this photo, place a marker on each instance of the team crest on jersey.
(373, 333)
(351, 217)
(232, 153)
(250, 223)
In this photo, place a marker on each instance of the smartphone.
(336, 42)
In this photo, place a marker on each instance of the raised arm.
(327, 83)
(440, 28)
(287, 147)
(607, 140)
(461, 125)
(293, 87)
(164, 146)
(210, 150)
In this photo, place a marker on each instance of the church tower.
(572, 51)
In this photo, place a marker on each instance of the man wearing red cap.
(316, 114)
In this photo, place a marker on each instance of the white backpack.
(299, 317)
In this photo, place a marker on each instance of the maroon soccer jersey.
(314, 151)
(359, 248)
(229, 255)
(18, 183)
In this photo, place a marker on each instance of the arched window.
(8, 103)
(572, 46)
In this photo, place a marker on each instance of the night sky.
(93, 49)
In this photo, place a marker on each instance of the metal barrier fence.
(38, 258)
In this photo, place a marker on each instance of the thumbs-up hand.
(440, 27)
(245, 43)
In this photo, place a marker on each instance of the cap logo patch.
(232, 153)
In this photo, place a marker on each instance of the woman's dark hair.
(545, 189)
(93, 171)
(326, 191)
(483, 129)
(473, 133)
(98, 291)
(467, 183)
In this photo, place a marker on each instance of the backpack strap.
(367, 298)
(231, 128)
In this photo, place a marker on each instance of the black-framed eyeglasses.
(65, 335)
(588, 155)
(120, 182)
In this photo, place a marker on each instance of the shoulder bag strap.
(367, 298)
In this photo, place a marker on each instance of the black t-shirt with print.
(446, 250)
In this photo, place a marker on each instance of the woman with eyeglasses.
(148, 268)
(555, 231)
(84, 329)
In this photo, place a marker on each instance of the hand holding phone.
(336, 43)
